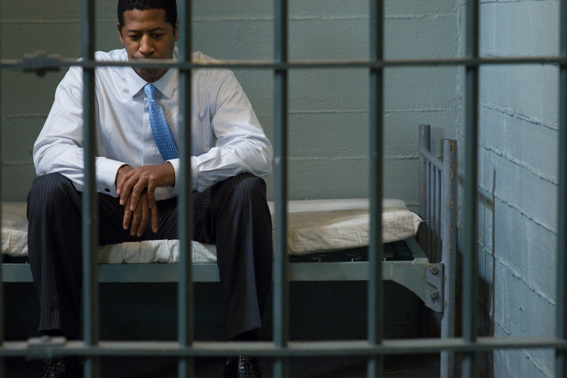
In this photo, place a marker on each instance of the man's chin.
(150, 75)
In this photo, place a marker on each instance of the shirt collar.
(166, 84)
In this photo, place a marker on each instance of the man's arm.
(59, 146)
(241, 144)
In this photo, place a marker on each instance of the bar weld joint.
(40, 62)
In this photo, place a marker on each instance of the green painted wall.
(328, 107)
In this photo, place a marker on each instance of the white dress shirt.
(227, 138)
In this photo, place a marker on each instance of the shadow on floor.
(426, 366)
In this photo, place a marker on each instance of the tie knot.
(150, 91)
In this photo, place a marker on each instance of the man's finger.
(137, 191)
(155, 219)
(120, 177)
(151, 194)
(145, 217)
(136, 218)
(126, 220)
(126, 191)
(121, 188)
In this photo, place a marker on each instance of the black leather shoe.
(63, 368)
(241, 367)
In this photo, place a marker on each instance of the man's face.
(147, 35)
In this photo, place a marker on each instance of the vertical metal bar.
(431, 218)
(281, 285)
(91, 310)
(561, 315)
(375, 283)
(439, 212)
(429, 207)
(185, 302)
(2, 318)
(438, 207)
(470, 268)
(424, 145)
(449, 250)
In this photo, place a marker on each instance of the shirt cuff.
(176, 163)
(106, 170)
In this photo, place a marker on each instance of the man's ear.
(120, 32)
(176, 32)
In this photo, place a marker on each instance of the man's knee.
(50, 190)
(248, 187)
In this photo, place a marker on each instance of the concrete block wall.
(328, 107)
(518, 183)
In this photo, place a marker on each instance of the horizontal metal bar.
(53, 63)
(268, 349)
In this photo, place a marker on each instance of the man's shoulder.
(209, 74)
(112, 55)
(199, 57)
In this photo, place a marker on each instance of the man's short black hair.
(170, 7)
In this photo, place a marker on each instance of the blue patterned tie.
(160, 127)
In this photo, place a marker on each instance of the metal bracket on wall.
(40, 62)
(434, 275)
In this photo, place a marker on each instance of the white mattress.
(313, 226)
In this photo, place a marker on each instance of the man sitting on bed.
(137, 126)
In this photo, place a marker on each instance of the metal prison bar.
(375, 348)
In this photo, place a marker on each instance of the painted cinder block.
(430, 37)
(314, 178)
(514, 90)
(326, 90)
(420, 88)
(28, 94)
(528, 248)
(333, 135)
(532, 195)
(341, 38)
(519, 309)
(18, 137)
(533, 146)
(511, 237)
(421, 8)
(512, 363)
(492, 129)
(520, 28)
(233, 38)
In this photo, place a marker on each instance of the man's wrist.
(121, 170)
(171, 173)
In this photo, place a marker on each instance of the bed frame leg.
(449, 250)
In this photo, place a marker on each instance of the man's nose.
(146, 46)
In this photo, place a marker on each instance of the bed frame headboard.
(437, 196)
(438, 237)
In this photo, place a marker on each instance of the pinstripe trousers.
(233, 214)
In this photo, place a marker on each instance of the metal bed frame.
(430, 275)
